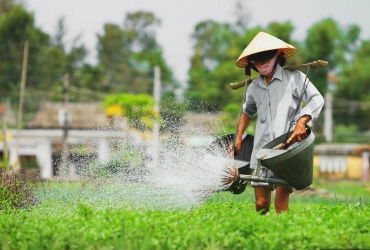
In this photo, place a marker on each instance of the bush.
(15, 193)
(124, 163)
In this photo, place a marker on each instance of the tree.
(216, 48)
(70, 59)
(326, 40)
(354, 86)
(114, 53)
(48, 59)
(60, 33)
(16, 27)
(130, 53)
(354, 81)
(212, 48)
(141, 27)
(284, 32)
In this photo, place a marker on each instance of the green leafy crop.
(72, 221)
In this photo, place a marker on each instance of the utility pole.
(328, 117)
(157, 97)
(64, 120)
(328, 112)
(21, 101)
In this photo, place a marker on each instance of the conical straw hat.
(264, 42)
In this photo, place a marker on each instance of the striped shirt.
(276, 104)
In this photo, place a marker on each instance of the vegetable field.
(337, 218)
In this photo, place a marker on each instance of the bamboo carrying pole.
(314, 64)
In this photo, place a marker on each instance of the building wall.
(338, 166)
(354, 167)
(39, 143)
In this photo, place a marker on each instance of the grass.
(321, 192)
(68, 217)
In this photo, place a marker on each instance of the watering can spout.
(233, 180)
(239, 181)
(231, 176)
(241, 162)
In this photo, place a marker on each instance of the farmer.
(274, 95)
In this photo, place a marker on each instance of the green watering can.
(294, 164)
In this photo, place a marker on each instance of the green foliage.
(15, 192)
(217, 46)
(230, 119)
(211, 69)
(127, 56)
(355, 78)
(4, 162)
(130, 53)
(346, 131)
(349, 134)
(326, 40)
(16, 27)
(123, 162)
(47, 62)
(232, 112)
(282, 30)
(354, 84)
(73, 223)
(139, 109)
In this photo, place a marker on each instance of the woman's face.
(267, 66)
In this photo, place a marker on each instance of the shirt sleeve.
(249, 107)
(312, 97)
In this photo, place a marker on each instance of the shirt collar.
(278, 74)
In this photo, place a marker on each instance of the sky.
(178, 19)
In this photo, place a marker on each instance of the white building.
(89, 136)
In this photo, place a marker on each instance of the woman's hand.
(231, 151)
(299, 133)
(238, 144)
(243, 124)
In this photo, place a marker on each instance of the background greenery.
(127, 55)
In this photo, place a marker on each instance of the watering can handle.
(284, 144)
(314, 64)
